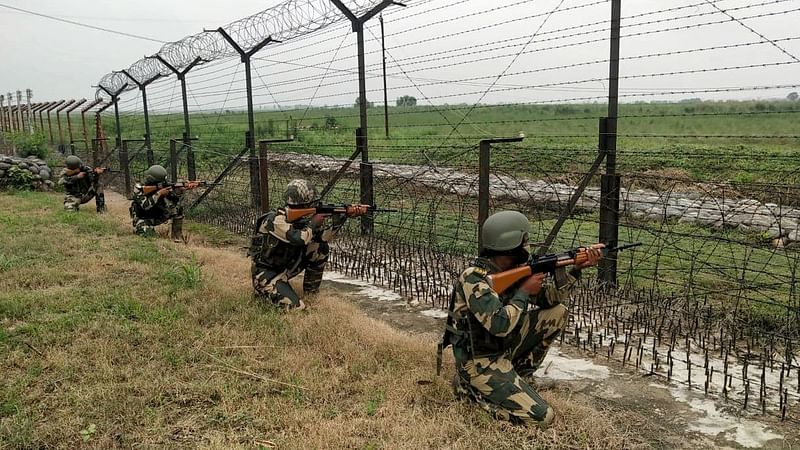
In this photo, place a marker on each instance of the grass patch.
(122, 342)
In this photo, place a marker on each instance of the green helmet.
(505, 231)
(299, 193)
(155, 174)
(73, 162)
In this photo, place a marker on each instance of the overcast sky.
(59, 60)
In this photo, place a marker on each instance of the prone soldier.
(282, 249)
(499, 340)
(81, 184)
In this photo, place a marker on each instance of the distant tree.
(793, 97)
(270, 127)
(406, 101)
(358, 103)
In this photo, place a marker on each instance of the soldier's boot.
(100, 201)
(177, 229)
(71, 203)
(460, 390)
(312, 279)
(528, 367)
(286, 298)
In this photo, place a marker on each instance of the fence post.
(124, 165)
(173, 160)
(484, 159)
(610, 182)
(95, 145)
(366, 183)
(263, 168)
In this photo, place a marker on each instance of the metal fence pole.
(362, 142)
(385, 92)
(187, 133)
(484, 165)
(246, 56)
(263, 166)
(610, 183)
(173, 160)
(2, 113)
(20, 117)
(143, 88)
(124, 164)
(484, 159)
(28, 97)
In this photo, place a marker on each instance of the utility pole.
(385, 94)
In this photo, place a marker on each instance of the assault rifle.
(95, 171)
(188, 185)
(548, 264)
(294, 214)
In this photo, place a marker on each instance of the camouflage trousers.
(498, 382)
(73, 202)
(273, 284)
(146, 227)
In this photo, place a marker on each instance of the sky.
(440, 51)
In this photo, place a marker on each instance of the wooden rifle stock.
(148, 190)
(500, 282)
(295, 214)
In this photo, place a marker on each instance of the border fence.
(683, 138)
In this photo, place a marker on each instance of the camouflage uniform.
(499, 340)
(79, 190)
(148, 211)
(281, 250)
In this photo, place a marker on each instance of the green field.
(752, 141)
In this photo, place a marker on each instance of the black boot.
(177, 229)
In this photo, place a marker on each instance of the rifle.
(94, 171)
(294, 214)
(548, 263)
(152, 189)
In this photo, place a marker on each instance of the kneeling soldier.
(155, 202)
(281, 250)
(81, 183)
(499, 341)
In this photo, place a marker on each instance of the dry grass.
(108, 340)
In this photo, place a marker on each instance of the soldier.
(155, 202)
(499, 341)
(281, 250)
(81, 184)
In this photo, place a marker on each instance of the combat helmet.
(155, 174)
(73, 162)
(300, 193)
(505, 231)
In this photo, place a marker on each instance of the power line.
(72, 22)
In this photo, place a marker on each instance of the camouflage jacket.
(280, 245)
(487, 319)
(154, 206)
(75, 185)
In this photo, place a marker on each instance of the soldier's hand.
(99, 170)
(81, 175)
(163, 191)
(533, 284)
(192, 184)
(357, 210)
(593, 256)
(317, 220)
